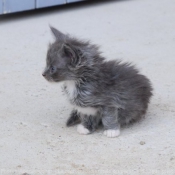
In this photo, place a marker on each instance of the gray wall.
(73, 1)
(10, 6)
(47, 3)
(0, 7)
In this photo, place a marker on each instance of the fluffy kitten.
(110, 93)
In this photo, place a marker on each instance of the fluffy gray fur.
(117, 90)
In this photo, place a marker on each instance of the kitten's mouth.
(49, 79)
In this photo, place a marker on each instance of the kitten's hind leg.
(110, 122)
(88, 124)
(73, 119)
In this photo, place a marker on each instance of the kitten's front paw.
(112, 133)
(82, 130)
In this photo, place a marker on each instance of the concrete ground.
(33, 112)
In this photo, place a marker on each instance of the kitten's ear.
(72, 54)
(58, 35)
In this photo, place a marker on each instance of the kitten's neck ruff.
(70, 89)
(72, 93)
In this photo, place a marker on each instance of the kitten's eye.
(52, 69)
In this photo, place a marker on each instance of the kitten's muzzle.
(43, 74)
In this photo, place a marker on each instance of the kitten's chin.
(49, 79)
(57, 81)
(54, 81)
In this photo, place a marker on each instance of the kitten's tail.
(73, 119)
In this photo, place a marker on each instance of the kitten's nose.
(43, 74)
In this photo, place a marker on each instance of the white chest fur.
(70, 88)
(71, 91)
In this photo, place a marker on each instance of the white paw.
(112, 133)
(82, 130)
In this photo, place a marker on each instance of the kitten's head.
(68, 58)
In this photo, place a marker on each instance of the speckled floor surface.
(33, 136)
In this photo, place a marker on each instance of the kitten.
(110, 93)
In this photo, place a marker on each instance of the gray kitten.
(110, 93)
